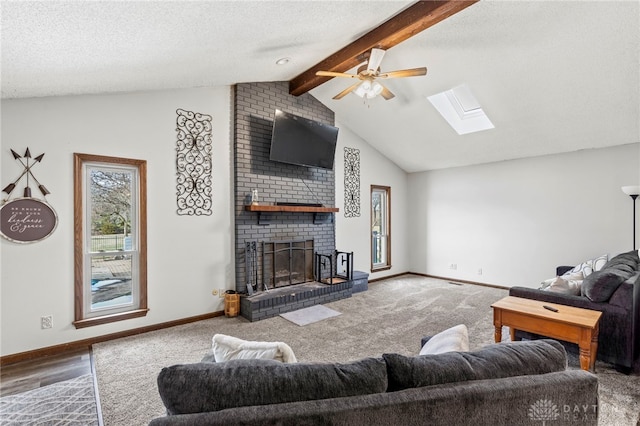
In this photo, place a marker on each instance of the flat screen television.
(298, 140)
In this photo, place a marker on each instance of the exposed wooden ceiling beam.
(416, 18)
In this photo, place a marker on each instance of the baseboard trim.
(86, 343)
(455, 280)
(373, 280)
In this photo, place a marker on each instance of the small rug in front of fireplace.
(310, 315)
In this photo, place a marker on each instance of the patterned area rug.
(68, 403)
(306, 316)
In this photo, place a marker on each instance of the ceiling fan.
(368, 73)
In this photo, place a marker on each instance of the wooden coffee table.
(570, 324)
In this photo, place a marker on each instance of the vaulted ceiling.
(552, 76)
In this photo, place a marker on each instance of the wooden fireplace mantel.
(296, 209)
(320, 214)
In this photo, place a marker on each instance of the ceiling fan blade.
(404, 73)
(375, 58)
(386, 93)
(346, 91)
(335, 74)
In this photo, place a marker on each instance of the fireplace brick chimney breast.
(255, 105)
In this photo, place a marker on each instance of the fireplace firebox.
(287, 263)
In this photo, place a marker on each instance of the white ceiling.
(552, 76)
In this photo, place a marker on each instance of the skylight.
(461, 110)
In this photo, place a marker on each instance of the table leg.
(512, 334)
(588, 349)
(585, 357)
(497, 323)
(594, 351)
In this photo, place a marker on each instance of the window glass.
(380, 228)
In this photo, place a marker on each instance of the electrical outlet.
(46, 322)
(453, 266)
(221, 293)
(214, 292)
(479, 271)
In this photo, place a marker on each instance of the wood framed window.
(110, 239)
(380, 228)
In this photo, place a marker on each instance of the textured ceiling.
(552, 76)
(55, 48)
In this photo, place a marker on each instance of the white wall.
(188, 256)
(354, 234)
(517, 220)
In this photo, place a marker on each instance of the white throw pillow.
(576, 276)
(226, 348)
(454, 339)
(599, 262)
(563, 285)
(590, 266)
(547, 283)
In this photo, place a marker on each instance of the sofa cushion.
(202, 387)
(599, 286)
(493, 361)
(455, 338)
(629, 258)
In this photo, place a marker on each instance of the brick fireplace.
(255, 104)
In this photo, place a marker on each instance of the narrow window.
(380, 228)
(110, 239)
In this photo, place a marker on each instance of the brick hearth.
(274, 302)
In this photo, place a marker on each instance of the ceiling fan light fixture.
(369, 89)
(367, 73)
(376, 88)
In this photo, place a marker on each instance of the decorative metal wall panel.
(193, 163)
(351, 182)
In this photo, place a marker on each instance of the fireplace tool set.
(251, 267)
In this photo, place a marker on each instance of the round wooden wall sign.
(27, 220)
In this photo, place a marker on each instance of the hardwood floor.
(27, 375)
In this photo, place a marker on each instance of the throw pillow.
(573, 276)
(203, 387)
(599, 262)
(590, 266)
(566, 286)
(547, 283)
(226, 348)
(569, 283)
(493, 361)
(452, 339)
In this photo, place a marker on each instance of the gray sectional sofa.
(500, 384)
(615, 291)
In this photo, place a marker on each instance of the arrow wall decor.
(27, 171)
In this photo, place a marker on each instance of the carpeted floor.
(392, 316)
(68, 403)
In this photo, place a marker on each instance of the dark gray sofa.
(501, 384)
(615, 291)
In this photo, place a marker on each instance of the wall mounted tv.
(298, 140)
